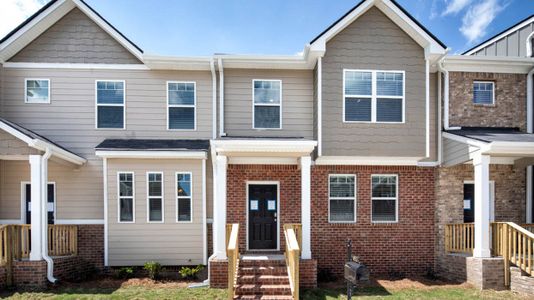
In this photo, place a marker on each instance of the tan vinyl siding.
(373, 42)
(69, 120)
(75, 39)
(169, 243)
(455, 152)
(297, 102)
(434, 127)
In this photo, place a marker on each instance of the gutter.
(530, 129)
(221, 98)
(445, 92)
(44, 218)
(214, 98)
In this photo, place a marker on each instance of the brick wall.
(3, 277)
(509, 109)
(29, 274)
(406, 247)
(308, 273)
(237, 177)
(509, 203)
(218, 273)
(520, 282)
(485, 273)
(210, 239)
(91, 244)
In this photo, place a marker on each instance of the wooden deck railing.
(292, 255)
(460, 238)
(232, 252)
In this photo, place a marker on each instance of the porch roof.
(153, 148)
(39, 142)
(489, 135)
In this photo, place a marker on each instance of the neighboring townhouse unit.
(111, 157)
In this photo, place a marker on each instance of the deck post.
(305, 170)
(36, 207)
(482, 207)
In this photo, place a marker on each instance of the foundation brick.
(486, 273)
(218, 273)
(520, 282)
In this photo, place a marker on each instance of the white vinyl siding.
(341, 198)
(37, 90)
(110, 104)
(373, 96)
(126, 196)
(184, 197)
(267, 104)
(484, 92)
(155, 201)
(384, 198)
(181, 105)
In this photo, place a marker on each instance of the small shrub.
(190, 273)
(125, 273)
(153, 268)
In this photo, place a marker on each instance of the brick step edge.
(263, 279)
(264, 289)
(263, 297)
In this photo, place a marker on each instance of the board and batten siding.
(513, 44)
(297, 102)
(169, 243)
(373, 42)
(69, 120)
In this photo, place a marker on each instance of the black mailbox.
(355, 272)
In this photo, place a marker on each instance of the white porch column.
(482, 207)
(305, 184)
(36, 207)
(219, 207)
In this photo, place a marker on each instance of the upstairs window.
(181, 101)
(110, 111)
(267, 97)
(384, 198)
(37, 91)
(484, 92)
(155, 197)
(373, 96)
(342, 198)
(126, 197)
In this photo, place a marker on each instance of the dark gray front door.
(50, 206)
(262, 209)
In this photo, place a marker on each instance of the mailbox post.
(354, 271)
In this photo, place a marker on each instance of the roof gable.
(47, 16)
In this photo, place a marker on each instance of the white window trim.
(26, 90)
(194, 106)
(343, 198)
(148, 197)
(183, 197)
(374, 96)
(492, 92)
(119, 197)
(266, 104)
(388, 198)
(123, 105)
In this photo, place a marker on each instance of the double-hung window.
(37, 90)
(267, 104)
(384, 198)
(126, 197)
(342, 198)
(184, 198)
(155, 196)
(373, 96)
(110, 99)
(181, 101)
(483, 92)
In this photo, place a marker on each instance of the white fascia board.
(263, 146)
(261, 160)
(500, 36)
(58, 152)
(493, 64)
(79, 221)
(368, 160)
(152, 154)
(24, 65)
(465, 140)
(517, 149)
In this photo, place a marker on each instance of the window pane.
(358, 83)
(37, 91)
(184, 185)
(342, 186)
(483, 92)
(342, 210)
(384, 186)
(154, 184)
(358, 109)
(110, 92)
(388, 110)
(181, 93)
(181, 118)
(155, 208)
(266, 92)
(126, 210)
(125, 185)
(384, 210)
(266, 116)
(389, 84)
(110, 117)
(184, 209)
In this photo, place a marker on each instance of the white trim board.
(152, 154)
(79, 222)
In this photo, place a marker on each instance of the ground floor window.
(155, 196)
(126, 197)
(183, 197)
(342, 198)
(384, 198)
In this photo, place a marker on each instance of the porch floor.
(262, 256)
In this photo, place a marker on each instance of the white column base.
(36, 208)
(481, 253)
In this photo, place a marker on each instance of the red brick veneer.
(308, 273)
(406, 247)
(3, 278)
(91, 244)
(218, 273)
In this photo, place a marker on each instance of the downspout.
(214, 98)
(530, 129)
(221, 98)
(445, 93)
(44, 218)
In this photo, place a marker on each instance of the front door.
(50, 204)
(262, 210)
(469, 202)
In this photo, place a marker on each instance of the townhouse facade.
(112, 157)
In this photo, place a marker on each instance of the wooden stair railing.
(232, 252)
(292, 255)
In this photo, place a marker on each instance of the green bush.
(125, 272)
(153, 268)
(190, 273)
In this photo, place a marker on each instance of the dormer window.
(484, 92)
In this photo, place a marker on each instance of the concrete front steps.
(262, 277)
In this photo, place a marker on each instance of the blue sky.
(204, 27)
